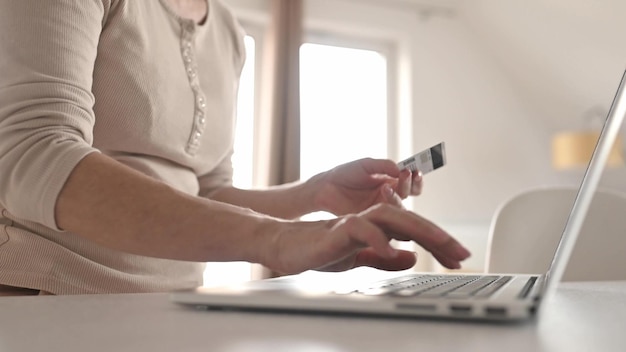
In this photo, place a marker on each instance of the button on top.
(191, 68)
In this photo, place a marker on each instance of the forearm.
(117, 207)
(287, 201)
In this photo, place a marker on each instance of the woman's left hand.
(356, 186)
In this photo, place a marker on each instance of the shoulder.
(230, 24)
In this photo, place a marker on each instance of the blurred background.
(509, 85)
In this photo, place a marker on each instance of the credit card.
(427, 160)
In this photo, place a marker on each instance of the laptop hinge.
(527, 288)
(538, 288)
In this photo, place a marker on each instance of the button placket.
(191, 67)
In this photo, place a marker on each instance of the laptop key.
(472, 287)
(462, 286)
(446, 288)
(439, 285)
(397, 284)
(388, 287)
(489, 290)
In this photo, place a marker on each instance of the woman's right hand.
(361, 239)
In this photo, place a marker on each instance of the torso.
(163, 91)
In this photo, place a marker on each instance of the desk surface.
(582, 317)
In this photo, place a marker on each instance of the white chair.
(526, 229)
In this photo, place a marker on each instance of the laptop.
(488, 297)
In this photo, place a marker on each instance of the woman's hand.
(356, 186)
(360, 240)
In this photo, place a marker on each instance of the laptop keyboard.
(450, 286)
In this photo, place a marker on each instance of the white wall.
(496, 81)
(463, 97)
(563, 57)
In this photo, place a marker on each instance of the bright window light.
(244, 137)
(224, 273)
(343, 107)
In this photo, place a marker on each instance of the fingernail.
(388, 191)
(462, 253)
(392, 252)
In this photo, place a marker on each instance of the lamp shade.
(574, 150)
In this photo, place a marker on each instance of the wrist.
(288, 247)
(317, 193)
(269, 237)
(304, 196)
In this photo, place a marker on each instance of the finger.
(380, 167)
(402, 261)
(366, 234)
(390, 196)
(448, 258)
(406, 225)
(445, 261)
(404, 184)
(417, 184)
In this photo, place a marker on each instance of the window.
(244, 137)
(343, 107)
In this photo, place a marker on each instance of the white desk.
(584, 317)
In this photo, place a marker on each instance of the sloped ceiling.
(564, 56)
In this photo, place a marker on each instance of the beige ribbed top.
(128, 78)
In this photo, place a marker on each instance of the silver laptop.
(496, 297)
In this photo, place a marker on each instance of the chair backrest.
(526, 229)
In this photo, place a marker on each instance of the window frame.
(356, 33)
(256, 29)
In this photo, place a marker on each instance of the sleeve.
(47, 54)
